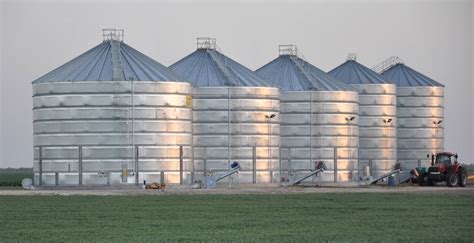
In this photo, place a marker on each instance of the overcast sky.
(434, 37)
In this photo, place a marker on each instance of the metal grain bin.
(234, 112)
(90, 115)
(377, 113)
(319, 117)
(420, 112)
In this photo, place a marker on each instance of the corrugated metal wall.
(228, 122)
(419, 109)
(378, 139)
(98, 116)
(316, 121)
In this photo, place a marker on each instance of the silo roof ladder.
(297, 57)
(115, 37)
(211, 47)
(300, 64)
(117, 72)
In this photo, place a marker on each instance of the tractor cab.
(445, 158)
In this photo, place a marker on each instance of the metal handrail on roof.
(352, 56)
(289, 49)
(113, 34)
(387, 64)
(206, 43)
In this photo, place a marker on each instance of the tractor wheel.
(431, 182)
(452, 179)
(421, 180)
(462, 177)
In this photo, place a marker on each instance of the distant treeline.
(21, 169)
(11, 177)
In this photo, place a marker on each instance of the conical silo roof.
(292, 73)
(111, 60)
(402, 75)
(352, 72)
(208, 67)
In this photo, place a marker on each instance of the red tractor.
(444, 167)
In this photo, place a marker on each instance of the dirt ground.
(240, 189)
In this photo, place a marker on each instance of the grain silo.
(377, 113)
(319, 116)
(235, 115)
(420, 112)
(93, 115)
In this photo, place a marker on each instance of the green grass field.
(13, 178)
(299, 218)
